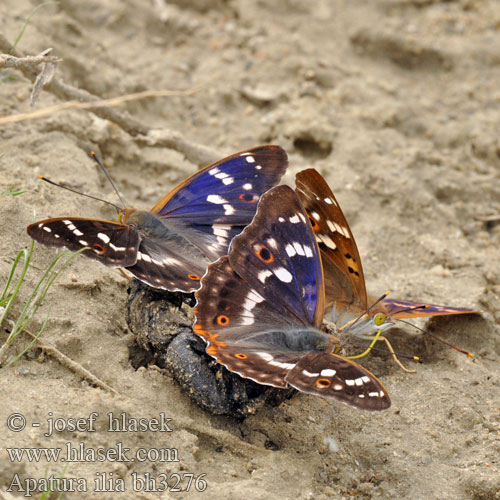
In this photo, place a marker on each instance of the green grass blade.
(35, 299)
(30, 345)
(10, 300)
(11, 191)
(28, 19)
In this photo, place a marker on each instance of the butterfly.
(171, 246)
(260, 309)
(344, 278)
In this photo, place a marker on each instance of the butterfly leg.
(124, 274)
(363, 354)
(391, 350)
(395, 358)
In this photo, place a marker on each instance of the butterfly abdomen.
(294, 339)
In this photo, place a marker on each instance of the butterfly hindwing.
(169, 265)
(110, 243)
(233, 318)
(329, 375)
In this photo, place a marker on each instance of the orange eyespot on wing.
(240, 355)
(222, 320)
(264, 254)
(194, 277)
(314, 224)
(323, 382)
(248, 197)
(98, 248)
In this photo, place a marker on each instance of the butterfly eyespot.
(239, 355)
(323, 382)
(264, 254)
(194, 277)
(222, 320)
(314, 224)
(379, 319)
(98, 248)
(248, 197)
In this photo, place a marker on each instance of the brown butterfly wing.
(333, 376)
(344, 278)
(401, 309)
(111, 243)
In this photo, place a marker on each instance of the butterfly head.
(364, 325)
(125, 216)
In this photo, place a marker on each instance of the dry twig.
(73, 366)
(194, 152)
(9, 61)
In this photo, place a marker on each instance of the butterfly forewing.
(277, 255)
(344, 279)
(111, 243)
(226, 192)
(171, 246)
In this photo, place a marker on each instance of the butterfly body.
(171, 246)
(260, 310)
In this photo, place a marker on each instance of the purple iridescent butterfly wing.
(171, 246)
(260, 307)
(204, 214)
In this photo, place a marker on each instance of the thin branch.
(71, 365)
(194, 152)
(8, 61)
(488, 218)
(114, 101)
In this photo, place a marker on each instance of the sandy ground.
(397, 103)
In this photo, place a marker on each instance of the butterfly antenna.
(81, 194)
(413, 308)
(437, 338)
(96, 159)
